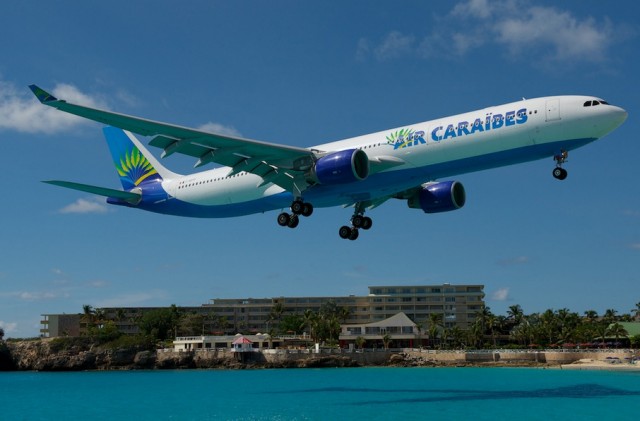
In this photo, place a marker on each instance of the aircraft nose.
(619, 114)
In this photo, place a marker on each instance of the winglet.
(42, 95)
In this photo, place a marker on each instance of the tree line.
(550, 328)
(514, 329)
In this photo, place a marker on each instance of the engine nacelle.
(341, 167)
(437, 197)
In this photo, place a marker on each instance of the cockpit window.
(595, 102)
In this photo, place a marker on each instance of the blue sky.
(305, 73)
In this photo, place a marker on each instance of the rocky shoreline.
(45, 355)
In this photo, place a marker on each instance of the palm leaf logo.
(400, 138)
(134, 167)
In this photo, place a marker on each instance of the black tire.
(564, 174)
(367, 223)
(354, 234)
(357, 221)
(344, 232)
(293, 221)
(557, 173)
(297, 206)
(307, 209)
(283, 219)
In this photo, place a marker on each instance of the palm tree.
(344, 313)
(309, 320)
(457, 337)
(120, 314)
(610, 315)
(360, 341)
(492, 323)
(515, 314)
(549, 326)
(636, 310)
(476, 334)
(386, 340)
(591, 315)
(617, 330)
(87, 317)
(601, 329)
(434, 324)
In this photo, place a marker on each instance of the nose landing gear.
(559, 172)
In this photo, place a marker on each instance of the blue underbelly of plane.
(376, 186)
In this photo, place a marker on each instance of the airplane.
(363, 172)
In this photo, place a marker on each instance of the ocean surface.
(322, 394)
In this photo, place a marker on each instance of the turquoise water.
(314, 394)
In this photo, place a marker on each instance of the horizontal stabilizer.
(130, 197)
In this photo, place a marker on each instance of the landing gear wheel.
(560, 173)
(354, 234)
(293, 221)
(357, 221)
(366, 223)
(283, 219)
(297, 207)
(307, 209)
(344, 232)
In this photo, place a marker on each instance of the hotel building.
(458, 305)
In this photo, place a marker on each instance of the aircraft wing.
(130, 197)
(279, 164)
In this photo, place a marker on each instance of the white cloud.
(522, 28)
(635, 246)
(8, 327)
(481, 9)
(38, 295)
(86, 206)
(98, 284)
(220, 129)
(513, 261)
(568, 37)
(501, 294)
(22, 112)
(395, 45)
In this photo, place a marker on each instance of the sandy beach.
(589, 364)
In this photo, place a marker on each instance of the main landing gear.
(298, 207)
(358, 220)
(559, 172)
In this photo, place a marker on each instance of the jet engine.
(437, 197)
(341, 167)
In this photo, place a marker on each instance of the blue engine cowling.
(341, 167)
(439, 197)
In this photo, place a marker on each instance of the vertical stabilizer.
(134, 163)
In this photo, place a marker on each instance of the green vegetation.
(551, 328)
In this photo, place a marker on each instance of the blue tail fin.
(135, 165)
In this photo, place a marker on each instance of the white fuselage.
(408, 156)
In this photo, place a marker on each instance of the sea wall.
(514, 357)
(45, 355)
